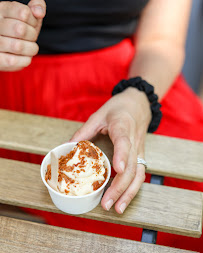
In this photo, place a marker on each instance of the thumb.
(38, 8)
(88, 130)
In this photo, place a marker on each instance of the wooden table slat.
(156, 207)
(14, 237)
(36, 134)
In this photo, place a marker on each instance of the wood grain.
(156, 207)
(36, 134)
(23, 236)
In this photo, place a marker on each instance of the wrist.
(142, 109)
(148, 90)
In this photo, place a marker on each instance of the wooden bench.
(23, 236)
(37, 134)
(155, 207)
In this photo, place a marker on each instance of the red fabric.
(76, 85)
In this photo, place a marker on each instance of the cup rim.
(68, 196)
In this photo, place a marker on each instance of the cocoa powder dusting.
(68, 168)
(97, 167)
(48, 173)
(105, 174)
(96, 185)
(63, 167)
(87, 150)
(66, 178)
(66, 191)
(65, 159)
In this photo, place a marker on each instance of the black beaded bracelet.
(142, 85)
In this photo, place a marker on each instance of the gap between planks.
(155, 207)
(166, 156)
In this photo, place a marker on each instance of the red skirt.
(73, 87)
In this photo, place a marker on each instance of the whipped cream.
(82, 171)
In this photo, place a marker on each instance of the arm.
(160, 43)
(126, 116)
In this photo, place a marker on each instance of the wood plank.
(36, 134)
(23, 236)
(156, 207)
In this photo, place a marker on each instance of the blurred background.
(193, 67)
(192, 71)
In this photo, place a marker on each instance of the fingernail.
(122, 166)
(122, 207)
(109, 204)
(38, 9)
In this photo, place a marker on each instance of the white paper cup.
(73, 204)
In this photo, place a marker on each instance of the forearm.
(160, 43)
(159, 63)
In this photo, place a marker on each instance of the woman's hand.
(20, 25)
(125, 118)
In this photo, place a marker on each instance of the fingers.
(121, 182)
(122, 147)
(38, 8)
(135, 185)
(10, 62)
(18, 47)
(17, 29)
(121, 134)
(90, 128)
(17, 11)
(125, 186)
(132, 190)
